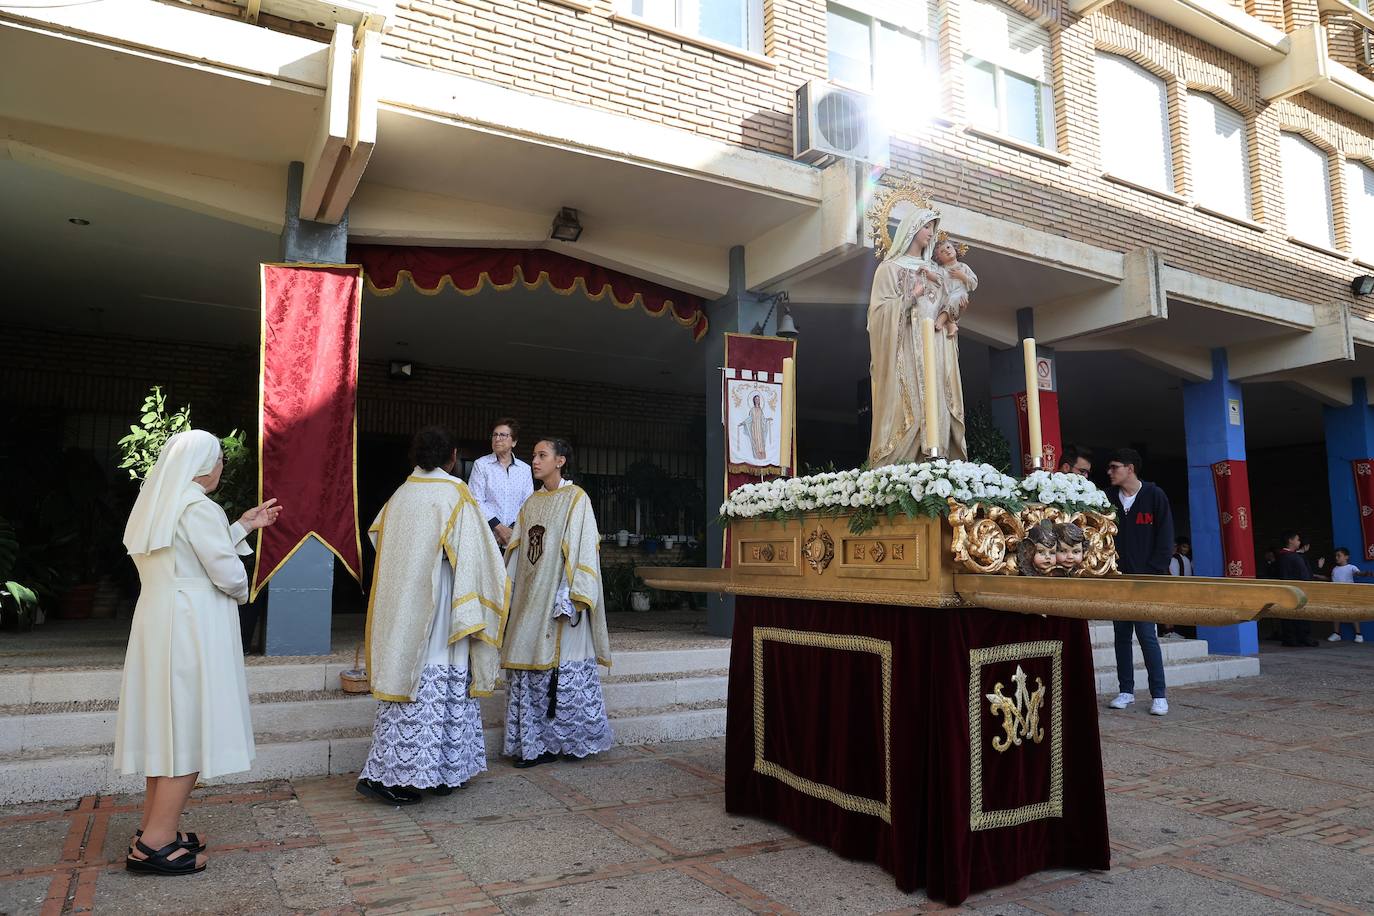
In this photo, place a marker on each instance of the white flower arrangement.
(914, 489)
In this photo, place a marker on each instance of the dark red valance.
(468, 269)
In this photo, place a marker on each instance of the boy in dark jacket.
(1144, 544)
(1293, 567)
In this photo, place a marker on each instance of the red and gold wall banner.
(753, 366)
(468, 270)
(307, 425)
(1364, 498)
(1049, 430)
(1231, 480)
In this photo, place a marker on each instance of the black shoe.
(391, 795)
(443, 789)
(571, 758)
(542, 758)
(1310, 643)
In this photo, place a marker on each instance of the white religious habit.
(434, 620)
(183, 703)
(557, 631)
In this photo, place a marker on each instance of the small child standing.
(1345, 571)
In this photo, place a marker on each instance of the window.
(1133, 118)
(1307, 191)
(1007, 73)
(1219, 154)
(886, 48)
(732, 22)
(1359, 183)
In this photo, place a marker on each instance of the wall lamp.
(1362, 285)
(566, 227)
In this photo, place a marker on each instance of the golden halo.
(960, 247)
(881, 206)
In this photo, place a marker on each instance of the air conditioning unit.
(832, 123)
(1368, 47)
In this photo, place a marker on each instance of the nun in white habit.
(183, 704)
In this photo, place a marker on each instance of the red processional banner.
(1231, 480)
(1049, 431)
(757, 362)
(1364, 498)
(307, 424)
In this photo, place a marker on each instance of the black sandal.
(192, 842)
(159, 861)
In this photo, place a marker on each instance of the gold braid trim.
(856, 803)
(1054, 806)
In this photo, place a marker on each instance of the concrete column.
(1007, 383)
(738, 311)
(300, 597)
(1214, 429)
(1349, 436)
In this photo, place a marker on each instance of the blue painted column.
(1214, 427)
(1349, 436)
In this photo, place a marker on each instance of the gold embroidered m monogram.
(1020, 713)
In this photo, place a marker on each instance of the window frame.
(930, 44)
(1170, 177)
(1330, 242)
(1360, 232)
(1194, 150)
(999, 89)
(753, 11)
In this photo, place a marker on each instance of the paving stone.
(1201, 742)
(1146, 824)
(632, 780)
(1329, 767)
(231, 885)
(220, 825)
(1259, 786)
(309, 879)
(29, 843)
(554, 846)
(23, 897)
(283, 820)
(701, 825)
(663, 892)
(1161, 890)
(486, 798)
(1301, 866)
(1134, 760)
(817, 882)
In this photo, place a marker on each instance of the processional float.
(911, 676)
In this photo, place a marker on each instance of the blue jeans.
(1149, 648)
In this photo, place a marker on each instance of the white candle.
(932, 392)
(789, 414)
(1037, 447)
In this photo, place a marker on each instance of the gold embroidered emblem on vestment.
(535, 550)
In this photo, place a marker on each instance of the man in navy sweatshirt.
(1144, 544)
(1293, 567)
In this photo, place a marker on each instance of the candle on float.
(931, 396)
(787, 454)
(1033, 404)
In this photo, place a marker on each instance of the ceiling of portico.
(151, 270)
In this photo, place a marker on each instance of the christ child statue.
(1036, 554)
(959, 281)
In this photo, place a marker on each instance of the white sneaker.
(1122, 701)
(1336, 637)
(1359, 637)
(1159, 707)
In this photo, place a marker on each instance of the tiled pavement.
(1252, 797)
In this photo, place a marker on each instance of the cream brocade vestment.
(432, 516)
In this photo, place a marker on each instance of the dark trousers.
(1149, 649)
(1295, 632)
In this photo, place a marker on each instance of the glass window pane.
(993, 33)
(850, 44)
(900, 66)
(664, 12)
(720, 20)
(980, 95)
(1359, 183)
(1307, 191)
(1023, 108)
(1133, 123)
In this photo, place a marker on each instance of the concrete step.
(1173, 650)
(1200, 670)
(77, 685)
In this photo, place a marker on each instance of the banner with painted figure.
(753, 407)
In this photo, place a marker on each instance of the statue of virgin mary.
(908, 287)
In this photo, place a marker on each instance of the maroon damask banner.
(1231, 480)
(1364, 498)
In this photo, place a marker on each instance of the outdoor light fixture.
(400, 370)
(78, 221)
(566, 227)
(1362, 285)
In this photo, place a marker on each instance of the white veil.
(169, 489)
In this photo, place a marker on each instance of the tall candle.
(931, 398)
(788, 455)
(1037, 447)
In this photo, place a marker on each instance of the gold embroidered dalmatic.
(430, 516)
(555, 537)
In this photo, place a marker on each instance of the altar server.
(183, 703)
(557, 632)
(434, 621)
